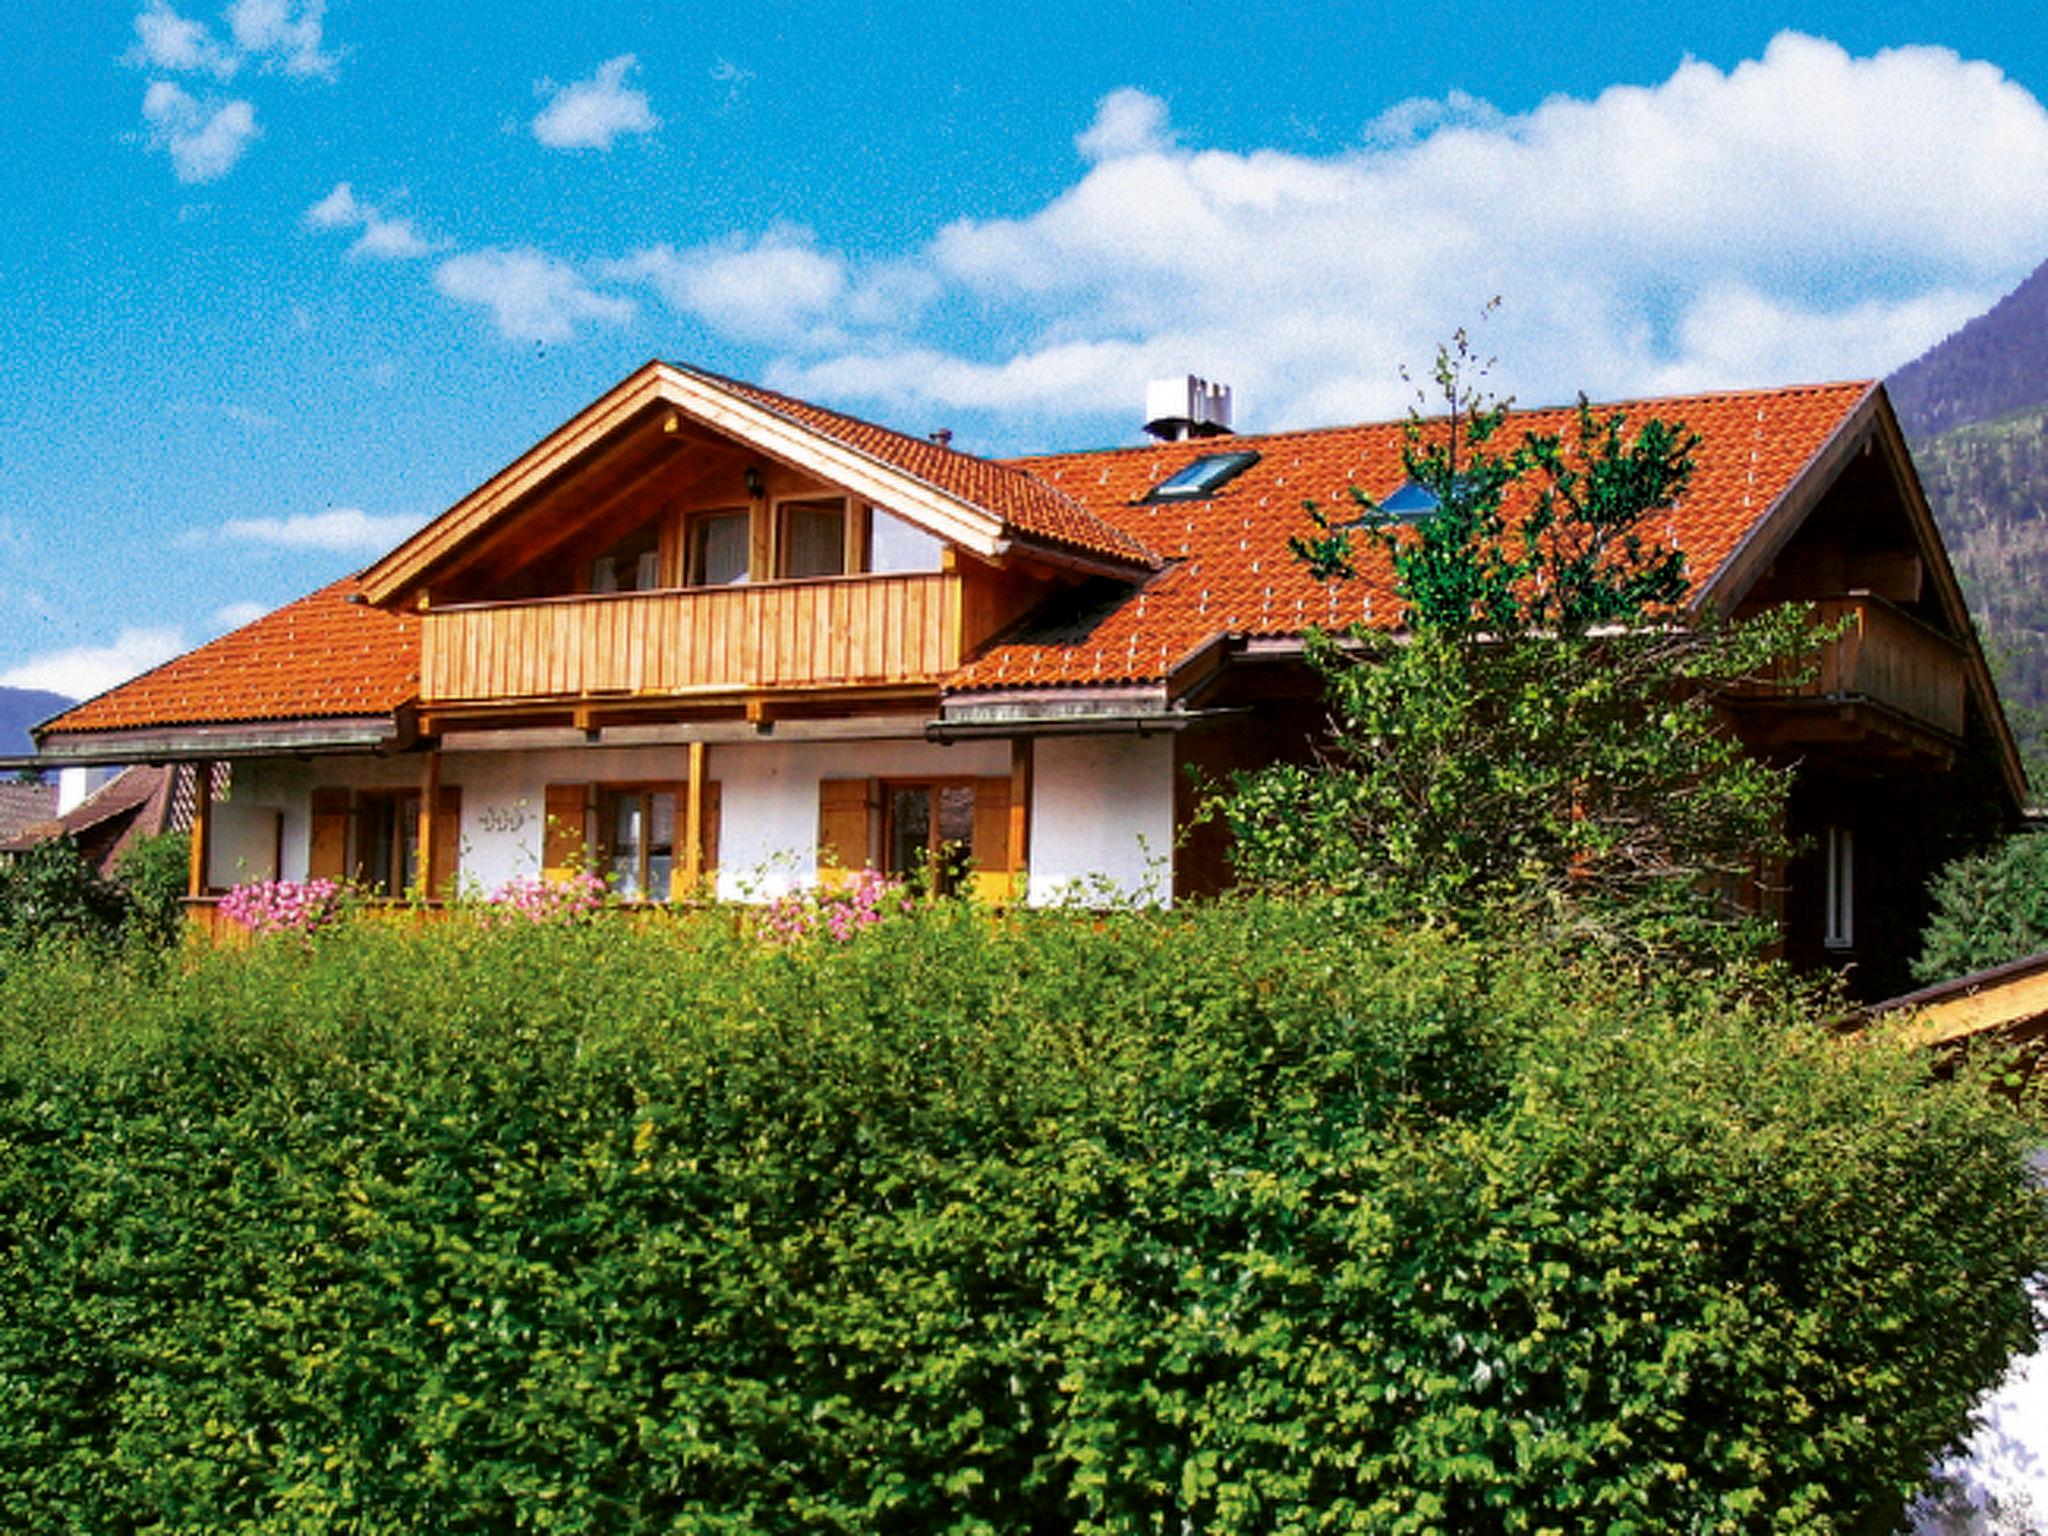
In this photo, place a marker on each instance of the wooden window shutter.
(565, 845)
(708, 843)
(844, 819)
(445, 857)
(992, 866)
(327, 843)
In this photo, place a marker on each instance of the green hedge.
(1221, 1221)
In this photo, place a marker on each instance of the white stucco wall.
(769, 818)
(1102, 819)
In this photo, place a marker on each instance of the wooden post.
(1020, 806)
(430, 807)
(202, 828)
(693, 822)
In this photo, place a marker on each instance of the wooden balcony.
(1888, 675)
(853, 631)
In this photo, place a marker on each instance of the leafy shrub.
(529, 898)
(154, 871)
(52, 894)
(1230, 1220)
(836, 913)
(1988, 908)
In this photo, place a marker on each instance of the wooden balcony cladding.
(855, 631)
(1885, 657)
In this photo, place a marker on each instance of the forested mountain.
(1993, 366)
(21, 708)
(1975, 408)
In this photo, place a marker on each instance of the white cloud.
(343, 530)
(384, 236)
(83, 671)
(235, 615)
(593, 113)
(166, 40)
(205, 140)
(1747, 226)
(531, 296)
(283, 34)
(776, 288)
(1127, 122)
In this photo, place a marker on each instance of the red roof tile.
(1024, 502)
(1231, 570)
(1227, 567)
(322, 657)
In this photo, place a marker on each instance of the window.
(812, 539)
(719, 548)
(896, 547)
(1410, 499)
(1204, 477)
(637, 829)
(388, 841)
(928, 833)
(1838, 848)
(631, 565)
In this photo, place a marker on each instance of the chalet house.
(708, 636)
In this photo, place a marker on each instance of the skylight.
(1204, 477)
(1410, 499)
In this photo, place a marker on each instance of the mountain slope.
(21, 708)
(1993, 366)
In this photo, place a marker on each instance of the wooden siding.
(852, 631)
(1889, 658)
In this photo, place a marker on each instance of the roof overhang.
(208, 743)
(1871, 426)
(707, 403)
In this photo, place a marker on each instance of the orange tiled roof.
(1230, 570)
(322, 657)
(1227, 568)
(1024, 502)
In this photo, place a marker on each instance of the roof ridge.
(775, 399)
(1332, 429)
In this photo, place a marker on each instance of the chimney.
(943, 437)
(1186, 407)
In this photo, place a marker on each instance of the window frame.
(694, 522)
(393, 841)
(852, 534)
(954, 873)
(606, 799)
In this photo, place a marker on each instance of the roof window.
(1410, 499)
(1204, 477)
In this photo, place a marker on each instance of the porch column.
(693, 822)
(430, 806)
(202, 829)
(1020, 806)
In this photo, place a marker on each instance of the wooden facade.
(848, 631)
(1884, 659)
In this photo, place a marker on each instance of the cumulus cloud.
(235, 615)
(593, 113)
(285, 35)
(342, 530)
(1752, 225)
(82, 671)
(384, 236)
(776, 288)
(531, 296)
(205, 139)
(166, 40)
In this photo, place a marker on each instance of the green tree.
(1988, 908)
(1543, 740)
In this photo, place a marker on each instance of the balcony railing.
(1884, 657)
(856, 631)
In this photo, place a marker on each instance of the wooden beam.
(1020, 805)
(430, 803)
(196, 883)
(693, 822)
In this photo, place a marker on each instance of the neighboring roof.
(136, 802)
(1027, 504)
(23, 806)
(321, 657)
(2010, 1000)
(1231, 570)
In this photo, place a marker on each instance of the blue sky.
(279, 281)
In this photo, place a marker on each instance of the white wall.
(1102, 819)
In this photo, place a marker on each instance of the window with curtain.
(813, 539)
(719, 543)
(639, 827)
(631, 565)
